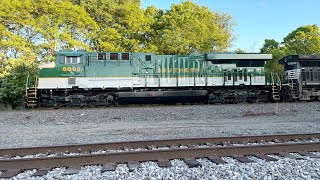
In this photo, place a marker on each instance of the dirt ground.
(76, 126)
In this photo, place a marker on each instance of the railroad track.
(162, 151)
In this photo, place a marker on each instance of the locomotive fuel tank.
(147, 97)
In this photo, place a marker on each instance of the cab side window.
(148, 57)
(125, 56)
(71, 60)
(62, 59)
(101, 56)
(114, 56)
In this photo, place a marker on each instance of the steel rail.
(141, 156)
(87, 148)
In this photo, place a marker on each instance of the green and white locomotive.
(79, 78)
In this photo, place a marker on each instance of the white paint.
(141, 82)
(293, 74)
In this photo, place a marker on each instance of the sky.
(257, 20)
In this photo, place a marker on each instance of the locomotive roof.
(240, 56)
(294, 58)
(208, 56)
(71, 53)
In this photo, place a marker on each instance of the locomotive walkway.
(186, 149)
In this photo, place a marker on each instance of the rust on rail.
(87, 148)
(140, 156)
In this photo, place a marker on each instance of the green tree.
(190, 28)
(62, 25)
(44, 26)
(32, 30)
(123, 25)
(278, 51)
(303, 40)
(185, 28)
(269, 45)
(239, 50)
(11, 40)
(151, 38)
(13, 77)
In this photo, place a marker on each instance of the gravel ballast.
(284, 168)
(76, 126)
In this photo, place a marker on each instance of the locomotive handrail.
(272, 79)
(300, 85)
(141, 62)
(279, 80)
(291, 83)
(27, 85)
(275, 81)
(35, 86)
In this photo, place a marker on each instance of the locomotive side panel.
(237, 69)
(104, 78)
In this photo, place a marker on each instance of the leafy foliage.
(44, 26)
(190, 28)
(269, 45)
(239, 50)
(122, 25)
(303, 40)
(13, 78)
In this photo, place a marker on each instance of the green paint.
(170, 66)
